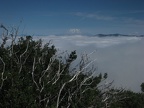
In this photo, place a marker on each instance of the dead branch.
(2, 74)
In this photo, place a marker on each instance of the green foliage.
(142, 87)
(129, 99)
(32, 75)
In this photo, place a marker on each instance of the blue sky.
(46, 17)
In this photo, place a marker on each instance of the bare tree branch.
(2, 74)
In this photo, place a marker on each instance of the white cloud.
(79, 40)
(123, 18)
(96, 16)
(74, 31)
(134, 21)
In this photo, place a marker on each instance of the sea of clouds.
(121, 57)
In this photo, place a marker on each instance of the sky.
(50, 17)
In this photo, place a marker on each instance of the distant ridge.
(100, 35)
(117, 35)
